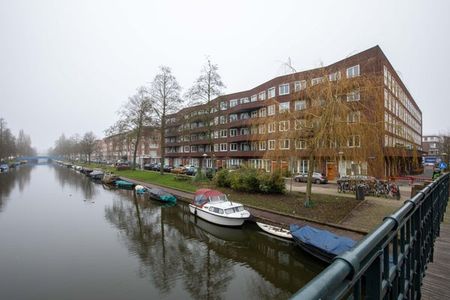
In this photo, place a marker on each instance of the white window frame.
(271, 92)
(283, 107)
(223, 105)
(284, 144)
(353, 71)
(262, 96)
(233, 147)
(300, 105)
(234, 102)
(271, 144)
(223, 147)
(334, 76)
(262, 145)
(300, 144)
(262, 128)
(271, 110)
(233, 132)
(354, 141)
(354, 96)
(283, 89)
(271, 127)
(262, 112)
(284, 125)
(254, 98)
(316, 81)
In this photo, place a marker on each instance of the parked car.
(191, 171)
(167, 168)
(179, 170)
(316, 178)
(122, 166)
(150, 166)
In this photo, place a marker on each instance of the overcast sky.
(67, 66)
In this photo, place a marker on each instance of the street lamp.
(341, 153)
(204, 161)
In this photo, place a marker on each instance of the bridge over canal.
(406, 257)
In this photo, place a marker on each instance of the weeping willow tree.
(328, 116)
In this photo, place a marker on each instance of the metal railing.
(390, 262)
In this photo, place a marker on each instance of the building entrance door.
(331, 170)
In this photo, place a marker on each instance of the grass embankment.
(167, 180)
(326, 208)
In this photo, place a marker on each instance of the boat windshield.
(234, 209)
(218, 198)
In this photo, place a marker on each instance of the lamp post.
(341, 153)
(204, 162)
(444, 156)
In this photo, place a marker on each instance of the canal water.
(65, 237)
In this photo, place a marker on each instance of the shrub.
(271, 183)
(222, 178)
(244, 180)
(200, 176)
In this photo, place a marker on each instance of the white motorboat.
(274, 230)
(214, 206)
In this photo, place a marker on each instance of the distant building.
(120, 146)
(432, 148)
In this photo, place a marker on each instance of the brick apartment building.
(118, 146)
(225, 132)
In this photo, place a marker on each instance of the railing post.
(374, 279)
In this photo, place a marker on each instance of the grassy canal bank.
(326, 208)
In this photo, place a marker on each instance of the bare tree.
(207, 87)
(88, 144)
(164, 100)
(134, 116)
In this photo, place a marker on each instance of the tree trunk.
(308, 201)
(162, 143)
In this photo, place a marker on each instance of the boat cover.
(163, 195)
(201, 196)
(123, 183)
(322, 239)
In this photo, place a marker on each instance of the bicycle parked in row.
(370, 185)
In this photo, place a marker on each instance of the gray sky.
(67, 66)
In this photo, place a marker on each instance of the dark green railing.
(390, 262)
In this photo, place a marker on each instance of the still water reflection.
(64, 237)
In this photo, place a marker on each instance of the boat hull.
(215, 219)
(276, 231)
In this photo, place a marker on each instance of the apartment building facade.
(235, 129)
(120, 146)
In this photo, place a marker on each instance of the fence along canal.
(390, 262)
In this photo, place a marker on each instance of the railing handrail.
(338, 279)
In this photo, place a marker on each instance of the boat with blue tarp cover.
(122, 184)
(320, 243)
(161, 195)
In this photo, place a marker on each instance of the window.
(262, 145)
(283, 89)
(300, 124)
(317, 102)
(353, 96)
(300, 105)
(283, 107)
(353, 71)
(223, 133)
(222, 119)
(299, 85)
(186, 149)
(253, 98)
(262, 96)
(353, 117)
(245, 116)
(193, 148)
(285, 144)
(334, 76)
(245, 100)
(271, 93)
(300, 144)
(283, 126)
(353, 141)
(233, 147)
(223, 147)
(271, 127)
(233, 132)
(262, 112)
(271, 144)
(245, 131)
(233, 102)
(316, 80)
(271, 110)
(223, 105)
(262, 128)
(233, 117)
(254, 114)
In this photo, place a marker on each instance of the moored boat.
(96, 175)
(123, 184)
(274, 230)
(214, 206)
(161, 195)
(322, 244)
(109, 178)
